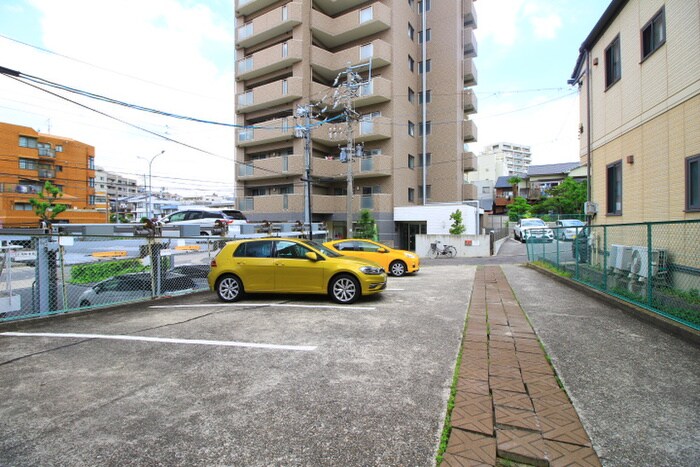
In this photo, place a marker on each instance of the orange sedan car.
(395, 262)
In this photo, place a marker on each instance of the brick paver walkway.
(508, 403)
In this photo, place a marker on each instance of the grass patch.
(95, 272)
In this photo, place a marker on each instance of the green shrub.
(95, 272)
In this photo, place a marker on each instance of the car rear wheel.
(229, 288)
(397, 268)
(84, 304)
(344, 289)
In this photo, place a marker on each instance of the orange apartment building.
(28, 159)
(413, 107)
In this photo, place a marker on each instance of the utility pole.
(304, 111)
(149, 206)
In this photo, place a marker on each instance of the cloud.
(165, 54)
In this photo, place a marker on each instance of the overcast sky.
(178, 56)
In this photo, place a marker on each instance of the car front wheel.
(344, 289)
(229, 288)
(397, 268)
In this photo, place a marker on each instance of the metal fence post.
(650, 272)
(605, 257)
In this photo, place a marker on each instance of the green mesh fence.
(44, 275)
(654, 265)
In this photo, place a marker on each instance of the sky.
(178, 56)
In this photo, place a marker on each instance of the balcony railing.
(469, 101)
(47, 152)
(274, 58)
(21, 188)
(267, 132)
(469, 43)
(271, 94)
(271, 167)
(247, 7)
(269, 25)
(329, 64)
(469, 72)
(469, 132)
(469, 13)
(469, 161)
(353, 26)
(46, 173)
(333, 7)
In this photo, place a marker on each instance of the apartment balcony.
(469, 162)
(469, 131)
(469, 42)
(47, 152)
(469, 13)
(46, 173)
(274, 203)
(330, 204)
(333, 7)
(329, 64)
(269, 95)
(247, 7)
(370, 130)
(368, 167)
(350, 27)
(271, 24)
(277, 57)
(469, 192)
(271, 167)
(376, 91)
(469, 72)
(273, 131)
(469, 101)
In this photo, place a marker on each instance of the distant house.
(638, 73)
(541, 178)
(504, 195)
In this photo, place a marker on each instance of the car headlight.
(410, 255)
(372, 270)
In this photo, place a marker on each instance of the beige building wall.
(649, 119)
(321, 37)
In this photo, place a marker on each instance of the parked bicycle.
(437, 251)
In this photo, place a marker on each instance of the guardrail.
(654, 265)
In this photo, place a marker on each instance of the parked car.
(132, 286)
(532, 229)
(568, 228)
(207, 219)
(395, 262)
(290, 265)
(197, 272)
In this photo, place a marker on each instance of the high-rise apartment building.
(29, 159)
(502, 160)
(412, 106)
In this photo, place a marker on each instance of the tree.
(515, 181)
(366, 227)
(566, 198)
(518, 208)
(45, 205)
(457, 227)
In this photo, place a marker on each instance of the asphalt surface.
(326, 385)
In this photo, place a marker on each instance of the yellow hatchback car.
(290, 265)
(395, 262)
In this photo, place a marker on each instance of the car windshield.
(323, 249)
(571, 223)
(533, 223)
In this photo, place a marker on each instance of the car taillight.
(213, 263)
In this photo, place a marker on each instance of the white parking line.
(263, 305)
(305, 348)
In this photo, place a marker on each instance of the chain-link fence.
(49, 274)
(497, 223)
(655, 265)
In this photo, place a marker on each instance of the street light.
(149, 205)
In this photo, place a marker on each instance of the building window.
(285, 50)
(286, 189)
(366, 14)
(27, 142)
(411, 195)
(411, 129)
(411, 95)
(614, 189)
(428, 158)
(91, 162)
(427, 66)
(27, 164)
(427, 191)
(420, 6)
(427, 95)
(366, 51)
(22, 207)
(428, 128)
(692, 183)
(613, 66)
(427, 36)
(411, 31)
(91, 200)
(411, 64)
(654, 34)
(58, 148)
(411, 161)
(91, 182)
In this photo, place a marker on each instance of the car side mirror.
(312, 256)
(382, 250)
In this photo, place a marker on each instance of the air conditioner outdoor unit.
(620, 257)
(640, 261)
